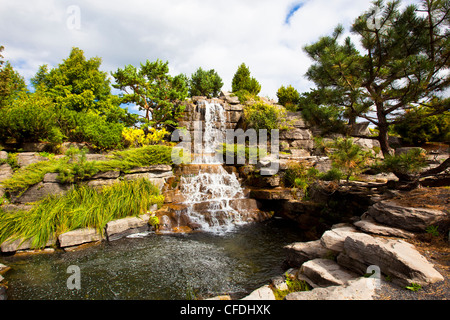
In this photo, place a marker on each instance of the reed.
(81, 207)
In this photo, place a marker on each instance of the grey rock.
(263, 293)
(6, 172)
(407, 218)
(300, 252)
(78, 237)
(296, 134)
(22, 244)
(51, 177)
(39, 191)
(334, 239)
(359, 289)
(325, 272)
(100, 183)
(106, 175)
(24, 159)
(370, 226)
(123, 227)
(396, 258)
(3, 155)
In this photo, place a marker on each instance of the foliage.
(76, 84)
(240, 153)
(205, 83)
(243, 82)
(404, 60)
(348, 157)
(299, 176)
(288, 97)
(152, 89)
(414, 287)
(409, 163)
(415, 127)
(293, 285)
(81, 207)
(135, 137)
(137, 157)
(123, 161)
(28, 119)
(334, 174)
(76, 167)
(261, 115)
(154, 222)
(433, 230)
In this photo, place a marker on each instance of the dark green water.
(153, 267)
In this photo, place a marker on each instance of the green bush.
(30, 118)
(334, 174)
(415, 128)
(205, 83)
(289, 98)
(264, 116)
(242, 81)
(92, 128)
(409, 163)
(76, 168)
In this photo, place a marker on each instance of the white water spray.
(211, 192)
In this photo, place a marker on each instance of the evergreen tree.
(242, 81)
(152, 89)
(205, 83)
(405, 60)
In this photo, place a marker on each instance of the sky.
(267, 35)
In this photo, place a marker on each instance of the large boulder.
(412, 219)
(395, 258)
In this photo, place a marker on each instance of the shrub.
(137, 138)
(242, 81)
(76, 168)
(205, 83)
(264, 116)
(348, 157)
(409, 163)
(416, 128)
(288, 97)
(31, 118)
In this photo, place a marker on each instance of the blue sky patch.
(292, 10)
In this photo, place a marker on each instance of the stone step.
(326, 272)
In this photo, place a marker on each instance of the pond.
(159, 267)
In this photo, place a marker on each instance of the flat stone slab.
(123, 227)
(21, 244)
(372, 227)
(263, 293)
(78, 237)
(299, 252)
(334, 239)
(407, 218)
(326, 272)
(359, 289)
(6, 172)
(24, 159)
(395, 258)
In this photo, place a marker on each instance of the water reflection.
(152, 267)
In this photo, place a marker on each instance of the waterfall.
(210, 193)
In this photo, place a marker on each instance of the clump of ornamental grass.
(80, 207)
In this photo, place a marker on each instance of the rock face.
(395, 258)
(412, 219)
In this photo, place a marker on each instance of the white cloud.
(189, 34)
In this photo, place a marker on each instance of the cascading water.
(210, 193)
